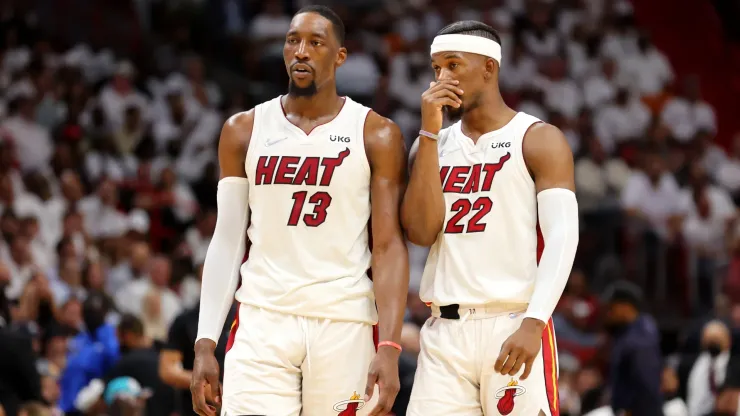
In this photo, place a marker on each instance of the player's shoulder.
(544, 137)
(380, 129)
(240, 123)
(244, 120)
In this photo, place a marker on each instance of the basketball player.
(310, 167)
(475, 194)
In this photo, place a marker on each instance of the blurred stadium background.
(110, 112)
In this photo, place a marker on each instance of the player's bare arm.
(387, 156)
(225, 252)
(423, 210)
(550, 161)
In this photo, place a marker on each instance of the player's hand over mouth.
(383, 372)
(520, 349)
(205, 377)
(440, 94)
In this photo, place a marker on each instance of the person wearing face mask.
(636, 361)
(709, 371)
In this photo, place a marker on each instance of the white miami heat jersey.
(487, 250)
(309, 196)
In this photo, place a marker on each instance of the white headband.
(467, 43)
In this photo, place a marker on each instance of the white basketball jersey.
(487, 250)
(309, 196)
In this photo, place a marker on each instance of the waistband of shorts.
(492, 310)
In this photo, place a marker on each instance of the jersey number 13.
(320, 202)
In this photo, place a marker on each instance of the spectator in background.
(728, 397)
(673, 405)
(709, 216)
(576, 316)
(131, 133)
(624, 120)
(177, 357)
(151, 300)
(91, 353)
(519, 70)
(198, 236)
(132, 267)
(649, 69)
(711, 155)
(651, 196)
(140, 361)
(599, 179)
(120, 94)
(34, 409)
(635, 364)
(19, 380)
(601, 88)
(32, 141)
(358, 77)
(560, 92)
(124, 396)
(728, 171)
(687, 114)
(709, 372)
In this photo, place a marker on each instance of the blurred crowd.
(110, 113)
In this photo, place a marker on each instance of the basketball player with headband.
(479, 192)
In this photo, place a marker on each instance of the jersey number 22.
(462, 207)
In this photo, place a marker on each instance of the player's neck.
(492, 114)
(324, 103)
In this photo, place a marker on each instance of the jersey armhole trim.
(362, 135)
(522, 161)
(254, 134)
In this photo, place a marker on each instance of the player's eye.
(316, 43)
(453, 65)
(292, 41)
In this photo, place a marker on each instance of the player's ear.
(491, 68)
(341, 56)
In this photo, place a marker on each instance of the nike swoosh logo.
(269, 143)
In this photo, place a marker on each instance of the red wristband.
(390, 344)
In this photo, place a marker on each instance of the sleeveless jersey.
(487, 250)
(309, 196)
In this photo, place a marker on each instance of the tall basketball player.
(476, 191)
(301, 176)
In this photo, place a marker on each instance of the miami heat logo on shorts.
(349, 407)
(505, 396)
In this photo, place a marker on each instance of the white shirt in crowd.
(598, 90)
(594, 181)
(266, 26)
(728, 174)
(562, 95)
(657, 203)
(130, 299)
(649, 72)
(114, 105)
(685, 118)
(699, 396)
(707, 233)
(518, 74)
(358, 75)
(198, 244)
(32, 142)
(614, 124)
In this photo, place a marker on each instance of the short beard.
(299, 92)
(453, 114)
